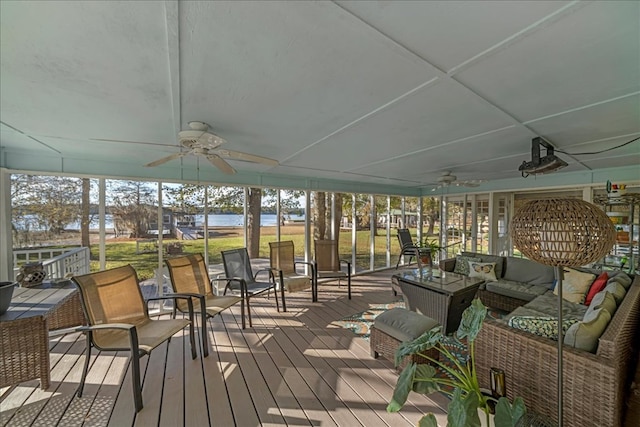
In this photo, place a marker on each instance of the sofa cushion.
(547, 304)
(617, 290)
(483, 270)
(518, 290)
(462, 264)
(584, 335)
(597, 286)
(542, 326)
(527, 271)
(575, 285)
(620, 277)
(603, 299)
(499, 260)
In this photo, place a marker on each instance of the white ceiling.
(382, 95)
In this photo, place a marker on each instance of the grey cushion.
(603, 299)
(527, 271)
(462, 264)
(548, 304)
(617, 290)
(620, 277)
(403, 325)
(518, 290)
(499, 260)
(585, 335)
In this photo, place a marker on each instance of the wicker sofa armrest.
(447, 264)
(593, 385)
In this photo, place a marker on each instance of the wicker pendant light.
(562, 233)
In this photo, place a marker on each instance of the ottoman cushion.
(404, 325)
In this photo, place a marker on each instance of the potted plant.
(468, 401)
(6, 292)
(434, 248)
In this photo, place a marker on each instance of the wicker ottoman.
(395, 326)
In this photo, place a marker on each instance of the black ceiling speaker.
(537, 165)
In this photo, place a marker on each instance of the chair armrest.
(240, 280)
(174, 297)
(310, 264)
(272, 272)
(133, 332)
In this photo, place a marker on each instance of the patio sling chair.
(327, 264)
(118, 320)
(284, 264)
(189, 276)
(242, 281)
(407, 247)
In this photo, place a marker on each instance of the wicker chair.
(241, 280)
(189, 276)
(282, 256)
(327, 264)
(118, 320)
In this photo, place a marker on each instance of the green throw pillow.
(462, 264)
(585, 335)
(542, 326)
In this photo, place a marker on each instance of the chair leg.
(203, 331)
(85, 369)
(275, 294)
(249, 311)
(192, 339)
(242, 301)
(135, 379)
(349, 285)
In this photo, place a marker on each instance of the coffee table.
(438, 294)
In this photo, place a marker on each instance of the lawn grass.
(124, 252)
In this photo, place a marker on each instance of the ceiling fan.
(447, 179)
(199, 142)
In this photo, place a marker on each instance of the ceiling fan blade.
(133, 142)
(238, 155)
(166, 159)
(218, 162)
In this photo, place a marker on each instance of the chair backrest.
(189, 275)
(112, 296)
(282, 256)
(237, 264)
(404, 237)
(326, 255)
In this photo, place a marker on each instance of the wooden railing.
(58, 263)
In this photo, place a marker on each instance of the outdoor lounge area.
(295, 170)
(293, 368)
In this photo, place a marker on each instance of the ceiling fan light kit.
(199, 142)
(447, 179)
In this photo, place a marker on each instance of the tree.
(319, 215)
(431, 212)
(133, 207)
(85, 213)
(254, 205)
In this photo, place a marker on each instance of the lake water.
(215, 220)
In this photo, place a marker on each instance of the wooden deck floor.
(294, 368)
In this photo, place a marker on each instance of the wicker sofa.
(596, 385)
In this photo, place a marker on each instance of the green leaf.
(472, 319)
(424, 342)
(403, 388)
(507, 414)
(428, 420)
(463, 411)
(423, 379)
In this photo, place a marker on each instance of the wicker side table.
(24, 351)
(24, 331)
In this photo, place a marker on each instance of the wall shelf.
(627, 243)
